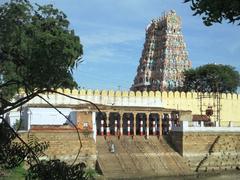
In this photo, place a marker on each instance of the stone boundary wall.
(155, 94)
(208, 151)
(230, 103)
(64, 144)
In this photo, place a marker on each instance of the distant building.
(164, 57)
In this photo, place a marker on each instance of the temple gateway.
(164, 56)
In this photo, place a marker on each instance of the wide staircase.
(139, 158)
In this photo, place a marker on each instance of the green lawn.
(15, 174)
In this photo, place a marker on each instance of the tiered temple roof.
(164, 56)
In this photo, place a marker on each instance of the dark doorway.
(114, 121)
(99, 117)
(165, 124)
(154, 118)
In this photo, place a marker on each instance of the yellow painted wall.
(230, 103)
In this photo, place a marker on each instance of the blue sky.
(113, 32)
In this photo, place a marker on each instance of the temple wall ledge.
(186, 126)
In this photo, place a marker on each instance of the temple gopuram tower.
(164, 56)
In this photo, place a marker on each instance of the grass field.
(14, 174)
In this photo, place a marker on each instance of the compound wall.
(229, 103)
(64, 144)
(208, 151)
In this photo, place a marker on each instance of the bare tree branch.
(22, 101)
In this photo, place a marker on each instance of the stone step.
(140, 156)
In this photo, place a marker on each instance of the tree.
(214, 11)
(212, 78)
(38, 52)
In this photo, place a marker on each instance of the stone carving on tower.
(164, 56)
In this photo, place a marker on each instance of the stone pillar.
(102, 127)
(116, 127)
(29, 114)
(160, 124)
(147, 122)
(107, 121)
(141, 128)
(128, 128)
(170, 125)
(169, 122)
(134, 123)
(202, 123)
(121, 124)
(217, 124)
(154, 127)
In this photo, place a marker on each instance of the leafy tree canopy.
(214, 11)
(37, 50)
(212, 78)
